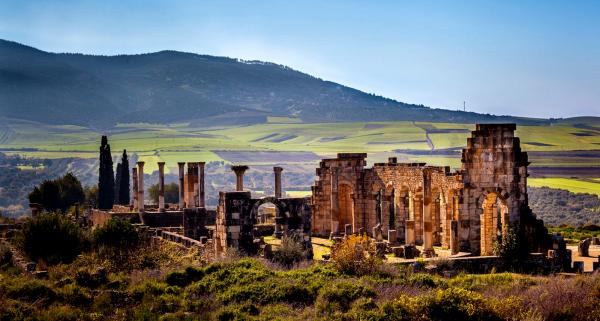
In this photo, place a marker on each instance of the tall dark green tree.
(124, 181)
(117, 183)
(106, 177)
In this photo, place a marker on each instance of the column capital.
(239, 168)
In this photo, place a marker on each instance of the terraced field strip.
(574, 185)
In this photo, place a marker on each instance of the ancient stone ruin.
(466, 210)
(400, 205)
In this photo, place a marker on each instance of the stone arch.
(280, 207)
(494, 219)
(346, 213)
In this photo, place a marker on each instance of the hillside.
(170, 86)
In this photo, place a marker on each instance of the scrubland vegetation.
(115, 279)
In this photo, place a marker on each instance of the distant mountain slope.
(170, 86)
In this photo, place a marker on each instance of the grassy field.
(591, 186)
(184, 142)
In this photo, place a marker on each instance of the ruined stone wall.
(405, 197)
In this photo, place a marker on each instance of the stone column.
(135, 188)
(161, 186)
(454, 237)
(410, 232)
(277, 171)
(201, 196)
(140, 186)
(239, 173)
(427, 217)
(181, 186)
(192, 177)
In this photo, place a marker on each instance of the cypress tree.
(106, 177)
(124, 181)
(117, 183)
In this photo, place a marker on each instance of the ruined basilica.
(412, 203)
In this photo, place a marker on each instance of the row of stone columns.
(138, 186)
(239, 171)
(196, 169)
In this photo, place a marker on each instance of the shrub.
(75, 295)
(183, 278)
(340, 296)
(511, 248)
(116, 238)
(5, 255)
(90, 280)
(290, 252)
(456, 304)
(32, 291)
(355, 255)
(52, 237)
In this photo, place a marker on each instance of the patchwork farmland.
(568, 149)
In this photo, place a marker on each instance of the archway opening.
(494, 222)
(266, 213)
(345, 206)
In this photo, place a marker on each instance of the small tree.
(115, 239)
(291, 251)
(355, 255)
(51, 237)
(91, 195)
(511, 248)
(171, 193)
(58, 194)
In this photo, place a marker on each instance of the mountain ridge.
(171, 86)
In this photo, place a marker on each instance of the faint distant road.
(423, 127)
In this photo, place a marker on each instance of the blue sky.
(526, 58)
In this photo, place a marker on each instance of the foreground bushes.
(247, 289)
(355, 255)
(115, 238)
(52, 238)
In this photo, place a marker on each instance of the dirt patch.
(537, 144)
(264, 137)
(585, 134)
(282, 138)
(331, 139)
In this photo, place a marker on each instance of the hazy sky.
(528, 58)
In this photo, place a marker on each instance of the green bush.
(511, 248)
(340, 296)
(75, 295)
(90, 280)
(115, 238)
(456, 304)
(184, 278)
(5, 255)
(53, 238)
(32, 291)
(291, 251)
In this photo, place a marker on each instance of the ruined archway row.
(428, 205)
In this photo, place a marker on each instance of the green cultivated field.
(591, 186)
(403, 139)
